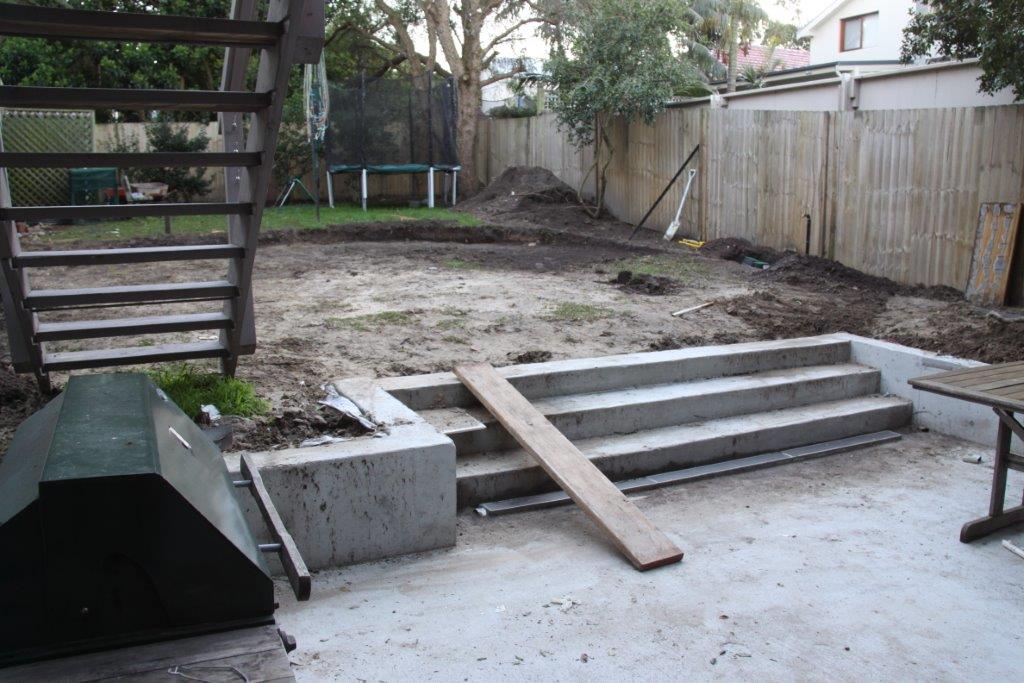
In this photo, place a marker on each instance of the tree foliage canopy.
(991, 30)
(618, 61)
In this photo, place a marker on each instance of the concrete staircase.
(645, 413)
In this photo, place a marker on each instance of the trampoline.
(390, 125)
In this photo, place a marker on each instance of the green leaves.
(619, 61)
(991, 30)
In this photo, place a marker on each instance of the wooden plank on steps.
(101, 358)
(44, 299)
(638, 539)
(53, 22)
(103, 257)
(128, 159)
(32, 97)
(125, 327)
(46, 213)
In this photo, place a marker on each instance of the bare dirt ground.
(544, 283)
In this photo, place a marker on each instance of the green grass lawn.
(294, 217)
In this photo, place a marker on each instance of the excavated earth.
(542, 280)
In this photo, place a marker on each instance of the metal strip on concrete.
(735, 466)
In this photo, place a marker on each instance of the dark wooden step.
(101, 358)
(29, 97)
(103, 257)
(127, 327)
(128, 160)
(51, 22)
(48, 299)
(109, 211)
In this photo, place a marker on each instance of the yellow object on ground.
(692, 244)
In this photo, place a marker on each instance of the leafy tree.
(183, 184)
(724, 25)
(991, 30)
(110, 64)
(617, 60)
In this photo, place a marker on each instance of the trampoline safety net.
(392, 125)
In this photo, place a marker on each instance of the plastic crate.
(92, 186)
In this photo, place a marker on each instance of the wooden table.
(252, 654)
(1002, 388)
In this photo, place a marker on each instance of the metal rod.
(242, 483)
(270, 547)
(430, 187)
(664, 192)
(362, 189)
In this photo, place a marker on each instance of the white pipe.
(330, 189)
(430, 187)
(455, 186)
(362, 189)
(674, 225)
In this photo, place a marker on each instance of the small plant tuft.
(191, 389)
(363, 323)
(578, 313)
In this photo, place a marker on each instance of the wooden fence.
(892, 193)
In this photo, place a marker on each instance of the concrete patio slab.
(844, 568)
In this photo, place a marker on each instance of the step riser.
(625, 419)
(544, 380)
(476, 489)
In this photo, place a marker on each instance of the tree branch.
(500, 77)
(501, 37)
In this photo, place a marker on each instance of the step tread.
(73, 360)
(61, 23)
(86, 257)
(476, 464)
(171, 291)
(111, 211)
(459, 420)
(577, 376)
(85, 329)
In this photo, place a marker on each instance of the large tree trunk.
(469, 112)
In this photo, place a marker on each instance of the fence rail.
(892, 193)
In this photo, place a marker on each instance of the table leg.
(998, 517)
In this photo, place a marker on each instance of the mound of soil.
(292, 427)
(782, 316)
(968, 332)
(736, 249)
(519, 188)
(656, 285)
(19, 398)
(827, 275)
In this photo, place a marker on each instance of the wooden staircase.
(292, 33)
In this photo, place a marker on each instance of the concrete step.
(609, 373)
(635, 409)
(496, 475)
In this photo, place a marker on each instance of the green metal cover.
(90, 186)
(125, 523)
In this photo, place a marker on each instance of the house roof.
(758, 55)
(820, 19)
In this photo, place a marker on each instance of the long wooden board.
(638, 539)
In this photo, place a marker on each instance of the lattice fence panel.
(44, 131)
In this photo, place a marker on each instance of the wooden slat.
(29, 97)
(245, 649)
(965, 385)
(103, 257)
(994, 243)
(637, 538)
(128, 160)
(101, 358)
(44, 299)
(44, 213)
(124, 327)
(973, 373)
(52, 22)
(291, 558)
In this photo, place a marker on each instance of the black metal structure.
(120, 525)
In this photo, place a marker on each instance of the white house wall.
(893, 16)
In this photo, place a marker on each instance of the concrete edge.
(898, 364)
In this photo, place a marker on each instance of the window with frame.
(858, 32)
